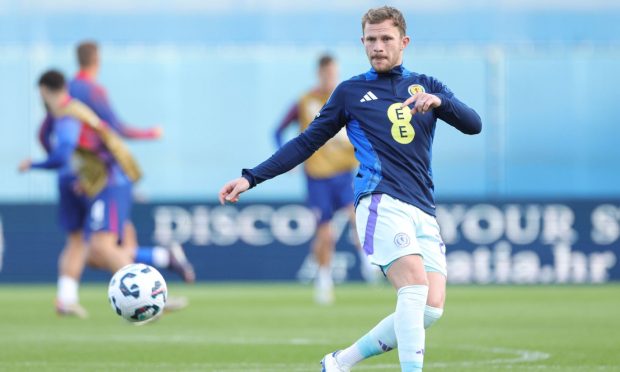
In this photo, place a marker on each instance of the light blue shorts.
(389, 229)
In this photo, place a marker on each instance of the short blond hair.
(378, 15)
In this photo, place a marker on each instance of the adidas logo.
(384, 347)
(370, 96)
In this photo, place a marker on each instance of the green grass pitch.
(277, 328)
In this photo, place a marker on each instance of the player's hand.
(24, 165)
(158, 132)
(422, 102)
(230, 192)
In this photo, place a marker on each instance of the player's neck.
(89, 73)
(324, 90)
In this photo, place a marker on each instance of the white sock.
(324, 286)
(409, 326)
(67, 290)
(324, 278)
(161, 257)
(350, 356)
(431, 315)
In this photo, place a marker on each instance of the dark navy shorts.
(109, 210)
(72, 208)
(327, 195)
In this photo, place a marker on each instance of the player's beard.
(381, 65)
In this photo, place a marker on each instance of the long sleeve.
(67, 131)
(455, 112)
(103, 109)
(328, 122)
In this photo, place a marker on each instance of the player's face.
(52, 99)
(46, 97)
(328, 77)
(384, 45)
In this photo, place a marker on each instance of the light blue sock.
(409, 326)
(381, 339)
(377, 341)
(431, 315)
(411, 366)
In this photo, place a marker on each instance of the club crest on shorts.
(416, 88)
(402, 240)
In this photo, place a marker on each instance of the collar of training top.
(396, 70)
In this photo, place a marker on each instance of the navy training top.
(393, 147)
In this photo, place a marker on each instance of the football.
(138, 293)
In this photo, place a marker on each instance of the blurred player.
(104, 212)
(59, 137)
(85, 88)
(395, 206)
(329, 176)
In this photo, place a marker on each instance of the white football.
(138, 293)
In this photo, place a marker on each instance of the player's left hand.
(230, 192)
(24, 165)
(422, 102)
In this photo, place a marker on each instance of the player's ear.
(405, 41)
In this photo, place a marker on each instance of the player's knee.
(432, 315)
(435, 298)
(324, 234)
(75, 248)
(95, 259)
(437, 290)
(75, 238)
(98, 252)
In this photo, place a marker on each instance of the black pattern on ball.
(134, 291)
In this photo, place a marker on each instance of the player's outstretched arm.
(326, 124)
(231, 190)
(103, 108)
(153, 133)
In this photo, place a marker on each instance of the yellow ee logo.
(415, 88)
(402, 130)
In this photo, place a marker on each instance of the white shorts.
(389, 229)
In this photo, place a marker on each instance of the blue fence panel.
(546, 241)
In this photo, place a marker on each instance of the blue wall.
(219, 76)
(546, 241)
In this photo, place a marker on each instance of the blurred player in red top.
(85, 88)
(329, 175)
